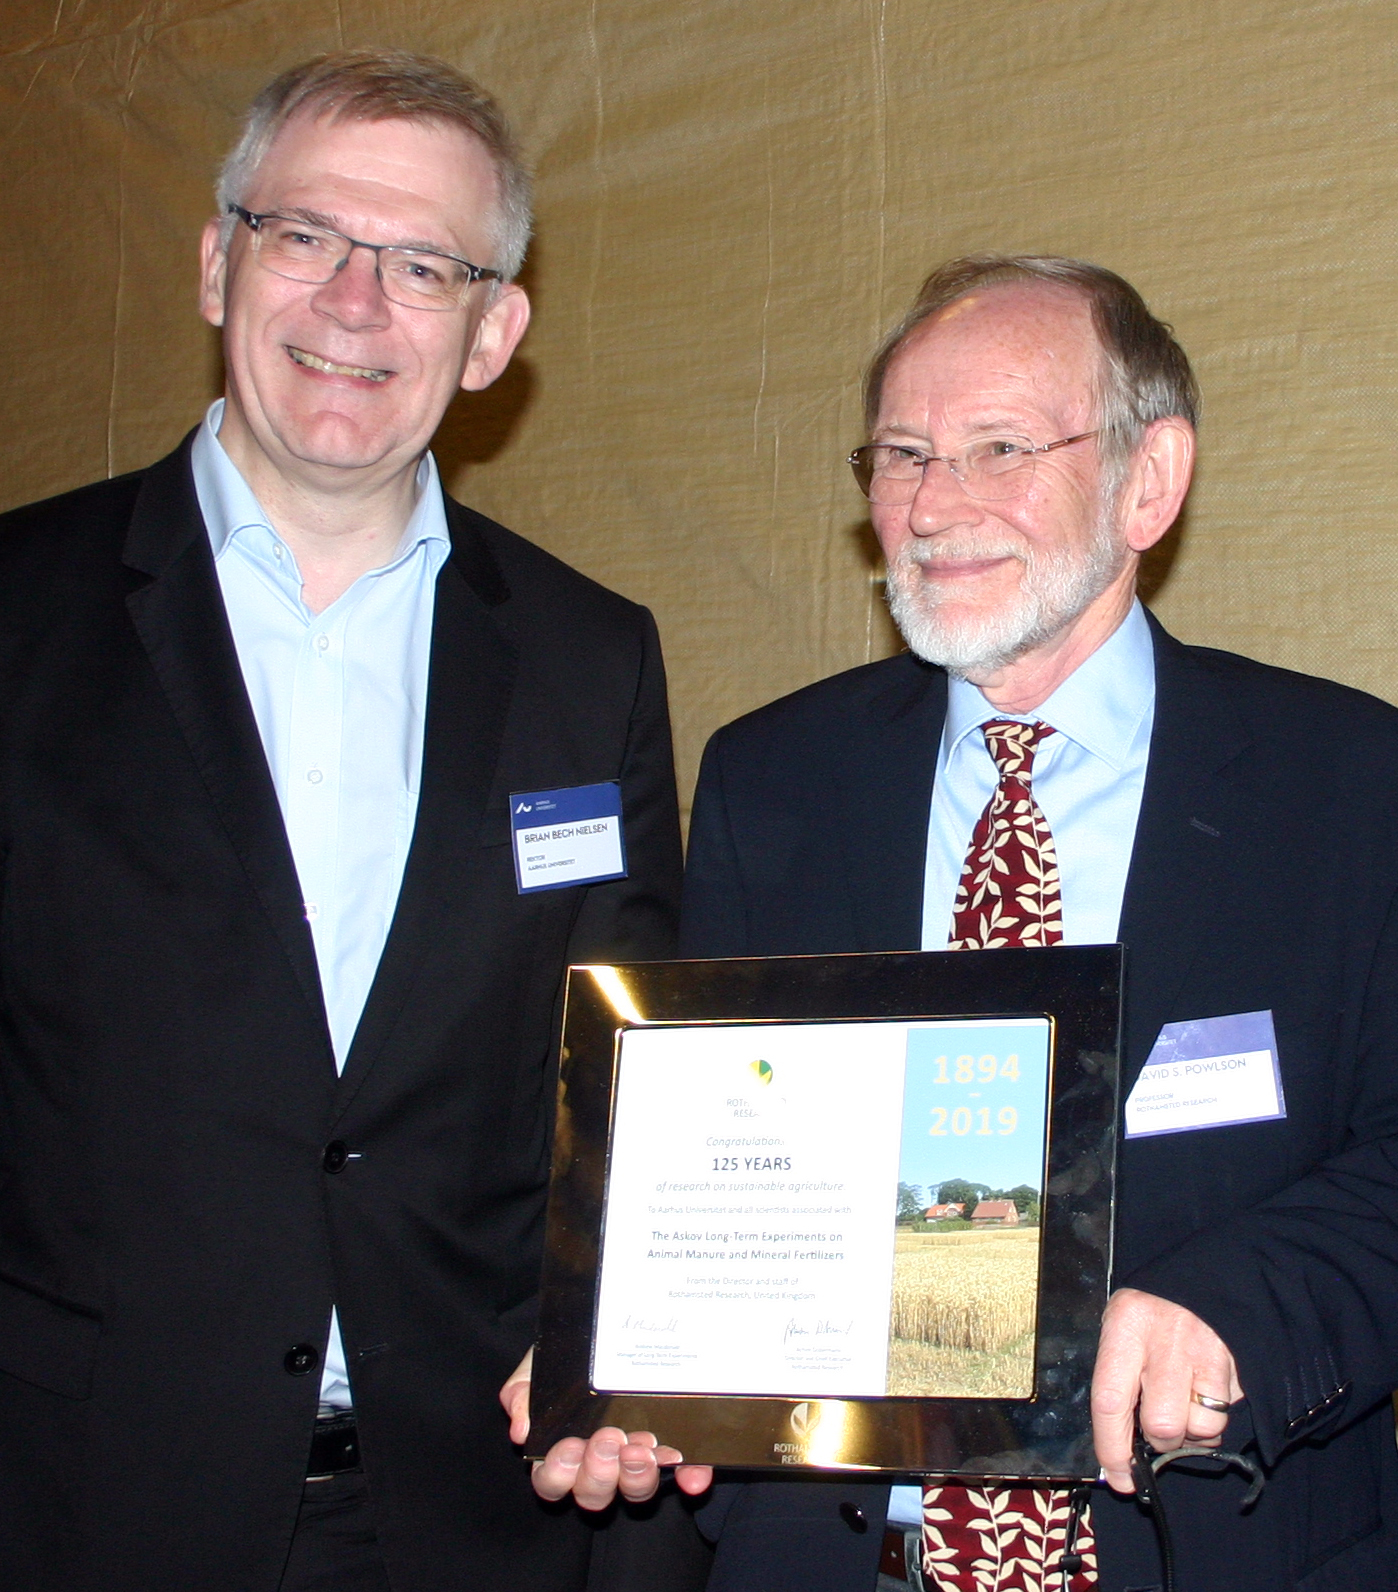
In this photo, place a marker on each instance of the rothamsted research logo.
(804, 1418)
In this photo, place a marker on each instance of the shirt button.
(315, 776)
(311, 910)
(278, 551)
(854, 1517)
(322, 642)
(336, 1156)
(301, 1358)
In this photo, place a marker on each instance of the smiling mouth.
(315, 362)
(944, 568)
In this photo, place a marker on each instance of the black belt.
(334, 1446)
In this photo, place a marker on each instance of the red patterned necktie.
(1006, 1539)
(1008, 894)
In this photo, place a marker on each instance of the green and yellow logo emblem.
(763, 1070)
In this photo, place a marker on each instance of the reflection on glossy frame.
(998, 1412)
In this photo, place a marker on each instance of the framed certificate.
(847, 1211)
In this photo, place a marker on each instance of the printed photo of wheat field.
(961, 1323)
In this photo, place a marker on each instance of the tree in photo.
(1026, 1202)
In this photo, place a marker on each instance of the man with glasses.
(276, 1002)
(1046, 766)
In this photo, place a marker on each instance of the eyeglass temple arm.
(1048, 447)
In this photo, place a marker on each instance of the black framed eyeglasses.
(420, 279)
(992, 469)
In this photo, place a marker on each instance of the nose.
(354, 296)
(940, 501)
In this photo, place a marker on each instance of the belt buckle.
(900, 1565)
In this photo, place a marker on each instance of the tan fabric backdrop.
(734, 200)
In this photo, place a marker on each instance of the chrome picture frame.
(1045, 1434)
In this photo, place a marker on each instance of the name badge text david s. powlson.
(567, 837)
(1211, 1072)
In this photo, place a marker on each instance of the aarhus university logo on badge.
(805, 1417)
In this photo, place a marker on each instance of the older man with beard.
(1032, 431)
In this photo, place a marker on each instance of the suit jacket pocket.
(47, 1341)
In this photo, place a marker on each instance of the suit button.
(336, 1155)
(301, 1358)
(854, 1517)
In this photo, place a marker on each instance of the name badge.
(569, 836)
(1208, 1073)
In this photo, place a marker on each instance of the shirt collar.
(1101, 705)
(230, 507)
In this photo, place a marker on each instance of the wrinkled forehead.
(1015, 345)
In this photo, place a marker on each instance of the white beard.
(1053, 591)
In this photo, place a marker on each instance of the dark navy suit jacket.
(1264, 876)
(169, 1224)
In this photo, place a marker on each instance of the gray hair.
(1146, 374)
(388, 85)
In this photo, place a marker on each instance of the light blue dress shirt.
(1088, 779)
(339, 699)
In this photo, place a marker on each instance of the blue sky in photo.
(965, 1109)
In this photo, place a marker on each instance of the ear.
(497, 336)
(1155, 488)
(213, 273)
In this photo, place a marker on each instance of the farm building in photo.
(995, 1213)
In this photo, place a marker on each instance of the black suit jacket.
(168, 1228)
(1264, 876)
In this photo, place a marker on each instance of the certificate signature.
(805, 1332)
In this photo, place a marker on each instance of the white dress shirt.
(339, 699)
(1088, 779)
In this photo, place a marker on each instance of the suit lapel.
(470, 682)
(1181, 845)
(1188, 812)
(180, 618)
(888, 790)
